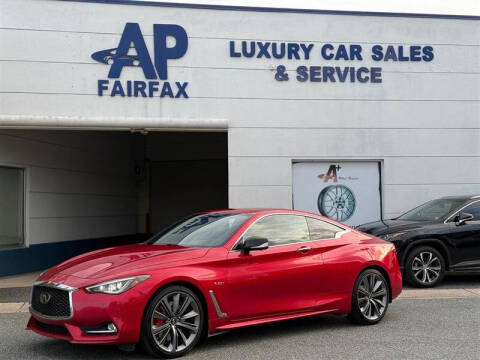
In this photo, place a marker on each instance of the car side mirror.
(254, 243)
(462, 218)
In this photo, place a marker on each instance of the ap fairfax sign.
(132, 52)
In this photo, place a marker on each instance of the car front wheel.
(425, 267)
(370, 298)
(173, 322)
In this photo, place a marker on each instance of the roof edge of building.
(281, 10)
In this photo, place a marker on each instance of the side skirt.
(272, 319)
(466, 266)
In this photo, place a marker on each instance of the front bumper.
(90, 311)
(73, 334)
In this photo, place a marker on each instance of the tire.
(174, 312)
(370, 298)
(425, 267)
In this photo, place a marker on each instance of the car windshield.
(201, 230)
(432, 210)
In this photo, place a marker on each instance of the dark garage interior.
(76, 190)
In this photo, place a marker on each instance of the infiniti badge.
(45, 297)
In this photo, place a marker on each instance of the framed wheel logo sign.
(344, 191)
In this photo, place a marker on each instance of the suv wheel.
(425, 267)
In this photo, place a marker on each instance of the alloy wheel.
(336, 202)
(175, 322)
(372, 296)
(426, 267)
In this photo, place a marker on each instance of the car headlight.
(392, 236)
(118, 286)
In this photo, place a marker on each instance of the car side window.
(280, 229)
(473, 209)
(321, 229)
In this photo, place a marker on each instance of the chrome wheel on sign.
(336, 202)
(426, 267)
(372, 296)
(175, 322)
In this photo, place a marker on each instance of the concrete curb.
(439, 293)
(23, 280)
(14, 307)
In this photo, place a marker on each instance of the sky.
(451, 7)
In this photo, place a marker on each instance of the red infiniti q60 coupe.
(216, 271)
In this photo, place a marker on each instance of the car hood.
(383, 227)
(123, 258)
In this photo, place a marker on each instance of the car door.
(343, 258)
(276, 280)
(465, 238)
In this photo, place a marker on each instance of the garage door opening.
(68, 192)
(188, 172)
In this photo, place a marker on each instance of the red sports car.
(216, 271)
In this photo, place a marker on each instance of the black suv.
(441, 235)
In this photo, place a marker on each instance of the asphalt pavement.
(440, 323)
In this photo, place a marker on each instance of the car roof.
(462, 197)
(261, 211)
(248, 211)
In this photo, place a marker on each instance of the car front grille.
(51, 302)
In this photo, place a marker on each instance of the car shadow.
(281, 328)
(55, 349)
(257, 336)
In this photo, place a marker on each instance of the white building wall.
(80, 185)
(422, 121)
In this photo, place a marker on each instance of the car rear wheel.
(425, 267)
(173, 322)
(370, 298)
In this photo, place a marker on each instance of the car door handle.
(304, 249)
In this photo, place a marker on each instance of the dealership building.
(117, 119)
